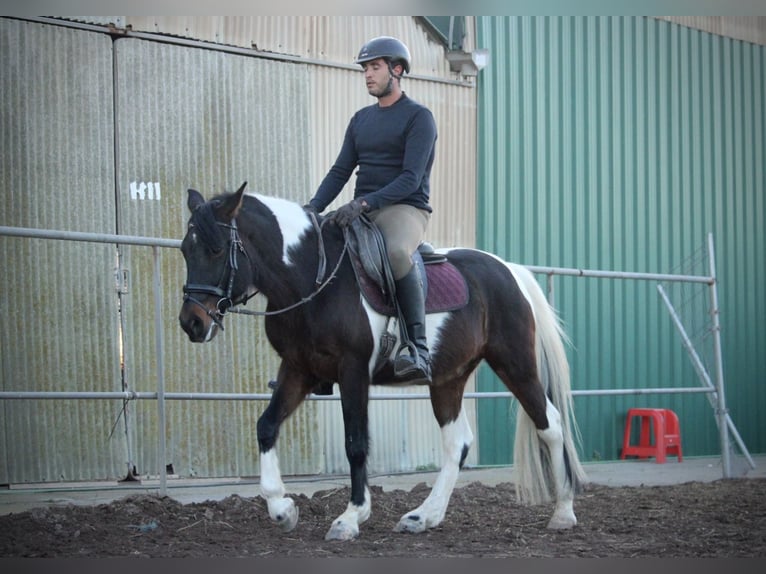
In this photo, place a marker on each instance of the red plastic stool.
(667, 435)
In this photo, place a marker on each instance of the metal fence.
(712, 386)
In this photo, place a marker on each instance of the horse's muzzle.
(199, 326)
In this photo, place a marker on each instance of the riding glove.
(345, 214)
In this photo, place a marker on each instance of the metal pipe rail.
(88, 237)
(148, 395)
(161, 396)
(620, 274)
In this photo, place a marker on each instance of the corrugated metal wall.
(333, 39)
(747, 28)
(193, 116)
(58, 304)
(198, 118)
(618, 143)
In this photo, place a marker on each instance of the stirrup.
(410, 367)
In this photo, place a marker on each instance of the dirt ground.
(726, 518)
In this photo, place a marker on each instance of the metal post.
(160, 350)
(551, 296)
(721, 411)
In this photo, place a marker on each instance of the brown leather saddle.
(447, 289)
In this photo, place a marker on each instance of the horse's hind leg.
(291, 389)
(456, 440)
(536, 472)
(553, 437)
(544, 420)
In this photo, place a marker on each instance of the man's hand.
(345, 214)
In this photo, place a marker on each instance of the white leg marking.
(563, 513)
(282, 510)
(455, 437)
(346, 526)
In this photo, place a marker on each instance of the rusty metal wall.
(318, 101)
(57, 298)
(195, 116)
(198, 118)
(335, 39)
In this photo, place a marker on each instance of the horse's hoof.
(342, 531)
(562, 522)
(286, 514)
(411, 524)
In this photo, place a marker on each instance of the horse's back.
(487, 275)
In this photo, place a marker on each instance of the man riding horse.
(392, 145)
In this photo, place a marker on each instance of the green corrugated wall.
(619, 143)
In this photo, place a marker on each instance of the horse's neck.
(279, 232)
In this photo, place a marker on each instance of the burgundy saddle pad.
(447, 290)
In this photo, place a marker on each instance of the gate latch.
(122, 280)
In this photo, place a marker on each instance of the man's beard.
(385, 91)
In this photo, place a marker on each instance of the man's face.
(376, 77)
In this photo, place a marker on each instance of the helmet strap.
(390, 86)
(391, 70)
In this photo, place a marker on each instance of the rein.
(227, 305)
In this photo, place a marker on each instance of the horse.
(323, 329)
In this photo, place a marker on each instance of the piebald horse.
(324, 329)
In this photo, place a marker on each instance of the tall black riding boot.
(413, 362)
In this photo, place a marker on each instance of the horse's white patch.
(281, 509)
(379, 323)
(357, 514)
(271, 478)
(292, 220)
(456, 436)
(211, 331)
(563, 513)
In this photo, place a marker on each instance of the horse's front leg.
(292, 388)
(354, 391)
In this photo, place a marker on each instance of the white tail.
(531, 463)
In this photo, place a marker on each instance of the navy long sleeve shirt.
(393, 147)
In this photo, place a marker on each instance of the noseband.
(224, 296)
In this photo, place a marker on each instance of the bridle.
(226, 304)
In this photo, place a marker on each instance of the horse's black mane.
(204, 221)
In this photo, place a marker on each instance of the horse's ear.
(233, 203)
(195, 199)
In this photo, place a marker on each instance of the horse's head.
(218, 269)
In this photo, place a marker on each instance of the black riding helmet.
(386, 47)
